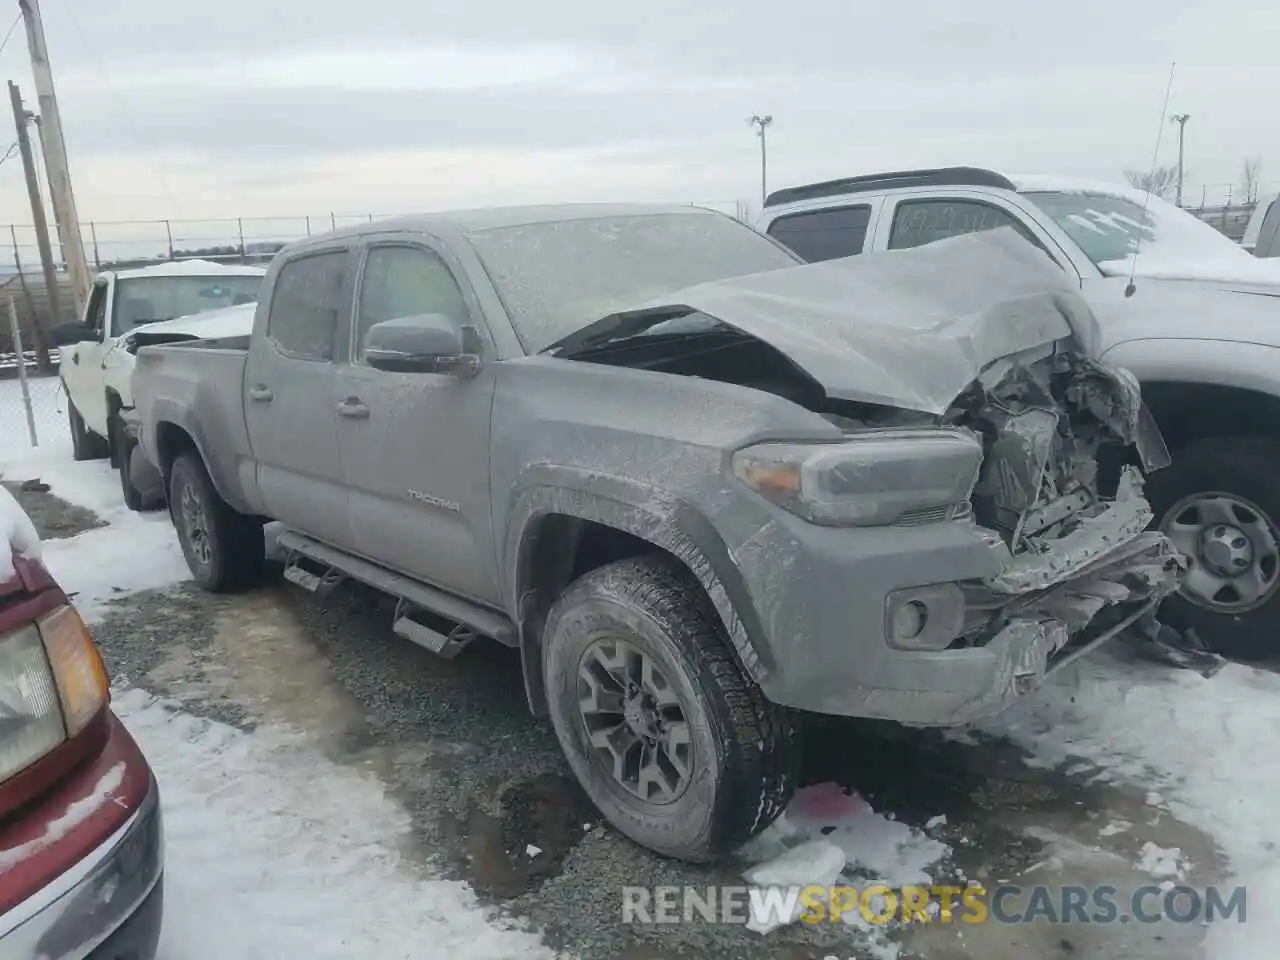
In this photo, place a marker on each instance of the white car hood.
(1229, 271)
(1186, 310)
(234, 321)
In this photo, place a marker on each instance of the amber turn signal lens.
(772, 477)
(77, 667)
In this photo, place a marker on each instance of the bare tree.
(1251, 178)
(1160, 181)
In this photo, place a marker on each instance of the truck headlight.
(52, 683)
(876, 479)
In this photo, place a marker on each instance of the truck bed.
(198, 387)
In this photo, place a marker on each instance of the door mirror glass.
(65, 334)
(425, 343)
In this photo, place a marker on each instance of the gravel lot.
(485, 783)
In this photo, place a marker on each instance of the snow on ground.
(1201, 746)
(17, 534)
(272, 850)
(134, 552)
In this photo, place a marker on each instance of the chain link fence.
(30, 399)
(119, 244)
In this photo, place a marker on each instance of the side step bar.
(447, 645)
(305, 555)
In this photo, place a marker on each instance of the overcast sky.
(256, 109)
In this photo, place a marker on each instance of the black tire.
(1247, 468)
(745, 750)
(122, 452)
(229, 552)
(85, 444)
(121, 447)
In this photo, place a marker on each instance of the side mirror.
(65, 334)
(424, 343)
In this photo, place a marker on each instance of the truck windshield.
(1108, 228)
(556, 278)
(141, 300)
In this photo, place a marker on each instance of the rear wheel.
(85, 444)
(678, 749)
(1219, 502)
(225, 550)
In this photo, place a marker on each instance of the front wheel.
(225, 550)
(678, 749)
(1219, 503)
(121, 450)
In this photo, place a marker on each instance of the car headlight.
(52, 683)
(876, 479)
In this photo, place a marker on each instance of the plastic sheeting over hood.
(910, 328)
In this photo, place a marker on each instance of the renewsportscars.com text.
(939, 903)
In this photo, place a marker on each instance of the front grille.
(923, 515)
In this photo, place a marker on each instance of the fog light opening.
(909, 620)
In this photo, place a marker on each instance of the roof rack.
(941, 177)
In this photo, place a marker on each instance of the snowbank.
(17, 534)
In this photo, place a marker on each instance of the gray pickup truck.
(699, 485)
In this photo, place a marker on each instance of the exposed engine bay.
(1043, 425)
(1078, 548)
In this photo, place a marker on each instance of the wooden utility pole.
(55, 156)
(20, 120)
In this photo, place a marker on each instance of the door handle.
(260, 392)
(352, 407)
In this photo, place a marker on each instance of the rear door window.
(307, 306)
(917, 222)
(824, 234)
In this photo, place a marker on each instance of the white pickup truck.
(171, 299)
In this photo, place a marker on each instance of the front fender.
(668, 522)
(1225, 363)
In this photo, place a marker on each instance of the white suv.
(1194, 316)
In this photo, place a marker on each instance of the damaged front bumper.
(996, 607)
(1027, 617)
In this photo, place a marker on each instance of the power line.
(13, 147)
(8, 36)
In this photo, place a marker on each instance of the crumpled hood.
(911, 328)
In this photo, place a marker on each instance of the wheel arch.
(557, 532)
(1188, 411)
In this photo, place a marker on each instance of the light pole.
(1181, 120)
(761, 124)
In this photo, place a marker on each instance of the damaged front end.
(1082, 563)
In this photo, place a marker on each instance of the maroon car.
(81, 840)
